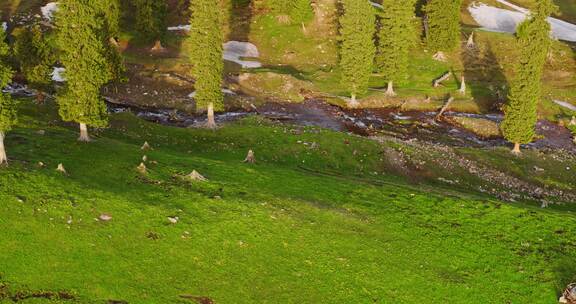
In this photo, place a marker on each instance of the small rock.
(41, 132)
(173, 219)
(105, 217)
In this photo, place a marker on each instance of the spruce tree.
(443, 24)
(151, 20)
(533, 42)
(396, 35)
(357, 49)
(110, 31)
(205, 52)
(7, 107)
(82, 46)
(35, 57)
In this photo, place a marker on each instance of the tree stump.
(250, 158)
(61, 169)
(145, 146)
(142, 169)
(440, 56)
(195, 176)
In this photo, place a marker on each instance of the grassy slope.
(279, 234)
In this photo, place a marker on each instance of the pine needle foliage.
(151, 18)
(204, 44)
(357, 48)
(533, 41)
(35, 56)
(443, 17)
(7, 107)
(82, 41)
(396, 36)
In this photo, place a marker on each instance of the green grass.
(302, 225)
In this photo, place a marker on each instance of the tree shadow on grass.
(485, 76)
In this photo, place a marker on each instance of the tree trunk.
(157, 47)
(470, 43)
(40, 97)
(84, 137)
(516, 149)
(463, 86)
(390, 91)
(211, 124)
(353, 102)
(3, 158)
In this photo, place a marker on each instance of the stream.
(412, 125)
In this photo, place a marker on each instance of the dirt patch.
(198, 299)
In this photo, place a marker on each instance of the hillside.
(328, 223)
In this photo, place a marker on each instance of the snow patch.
(58, 75)
(566, 105)
(504, 20)
(225, 91)
(235, 51)
(183, 27)
(49, 9)
(376, 5)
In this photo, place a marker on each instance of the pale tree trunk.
(84, 137)
(3, 158)
(211, 124)
(390, 91)
(353, 102)
(516, 149)
(157, 46)
(463, 85)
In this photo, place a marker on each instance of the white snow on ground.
(376, 5)
(225, 91)
(183, 27)
(504, 20)
(57, 75)
(566, 105)
(235, 51)
(49, 9)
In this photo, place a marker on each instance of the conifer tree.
(36, 58)
(111, 30)
(151, 20)
(396, 35)
(443, 24)
(80, 24)
(7, 107)
(205, 46)
(533, 42)
(357, 47)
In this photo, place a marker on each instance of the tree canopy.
(533, 41)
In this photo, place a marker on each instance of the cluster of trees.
(85, 44)
(382, 45)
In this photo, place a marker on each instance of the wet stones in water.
(569, 295)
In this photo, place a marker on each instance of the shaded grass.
(264, 233)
